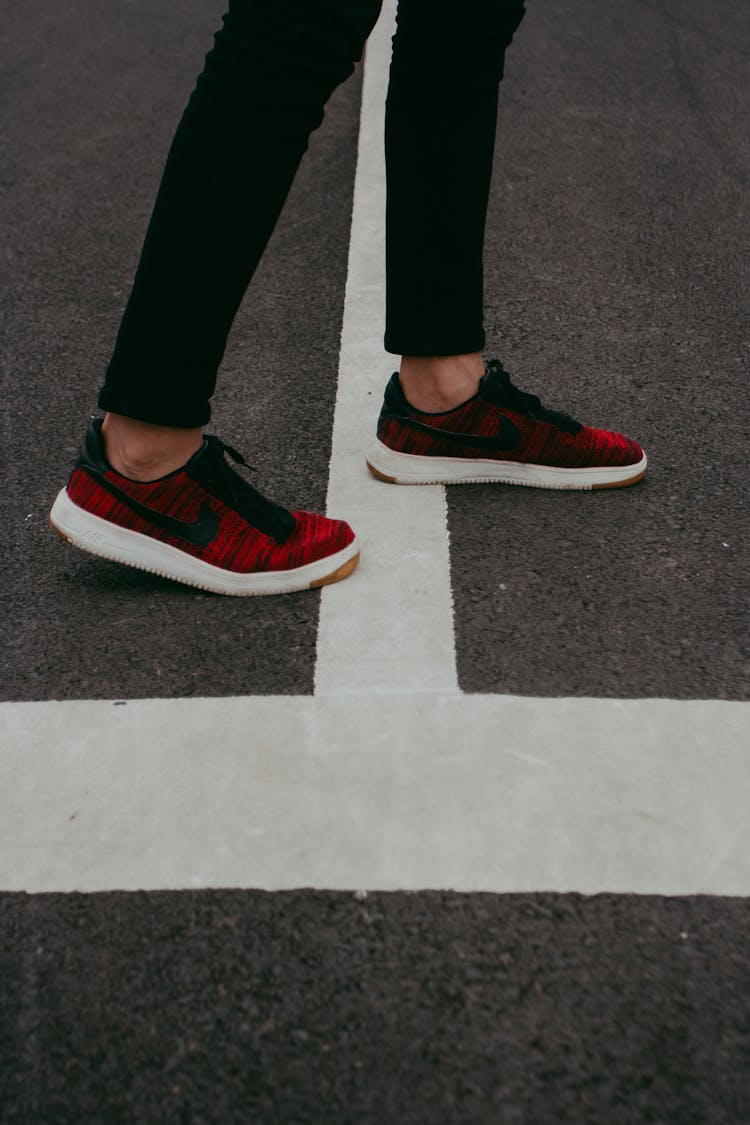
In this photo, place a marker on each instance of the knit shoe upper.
(507, 435)
(204, 512)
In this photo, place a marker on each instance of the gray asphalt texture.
(431, 1009)
(617, 289)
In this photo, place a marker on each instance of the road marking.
(390, 628)
(388, 777)
(471, 793)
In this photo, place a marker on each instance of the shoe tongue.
(210, 469)
(496, 386)
(495, 383)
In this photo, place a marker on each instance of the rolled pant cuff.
(181, 415)
(432, 345)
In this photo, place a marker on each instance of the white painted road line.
(473, 793)
(390, 627)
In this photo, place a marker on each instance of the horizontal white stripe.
(484, 793)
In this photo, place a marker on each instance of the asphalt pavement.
(616, 289)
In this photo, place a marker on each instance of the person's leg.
(230, 167)
(148, 489)
(446, 418)
(441, 119)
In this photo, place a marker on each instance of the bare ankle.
(436, 383)
(143, 451)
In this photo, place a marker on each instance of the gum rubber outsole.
(96, 532)
(407, 469)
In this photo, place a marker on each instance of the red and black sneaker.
(203, 525)
(500, 434)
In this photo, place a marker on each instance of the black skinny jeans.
(274, 65)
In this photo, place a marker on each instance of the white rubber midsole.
(100, 537)
(410, 468)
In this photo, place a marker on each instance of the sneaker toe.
(316, 537)
(631, 451)
(605, 447)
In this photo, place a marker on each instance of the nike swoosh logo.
(506, 438)
(199, 532)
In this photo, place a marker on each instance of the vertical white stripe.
(389, 628)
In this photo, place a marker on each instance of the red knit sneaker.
(203, 525)
(501, 434)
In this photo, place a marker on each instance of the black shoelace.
(234, 490)
(496, 386)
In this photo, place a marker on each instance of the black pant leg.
(232, 161)
(441, 116)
